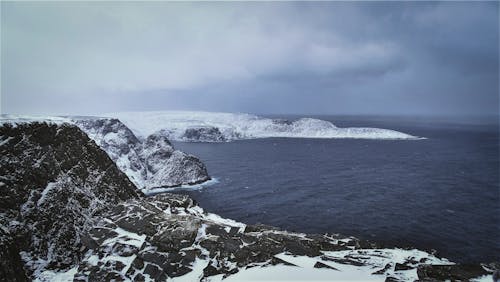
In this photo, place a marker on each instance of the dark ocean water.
(441, 193)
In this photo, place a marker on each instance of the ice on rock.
(219, 127)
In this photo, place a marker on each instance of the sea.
(441, 193)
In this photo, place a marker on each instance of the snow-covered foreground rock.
(169, 237)
(219, 127)
(67, 213)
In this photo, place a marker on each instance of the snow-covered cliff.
(151, 162)
(219, 127)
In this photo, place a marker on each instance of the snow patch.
(45, 191)
(193, 187)
(18, 119)
(63, 276)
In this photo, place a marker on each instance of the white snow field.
(17, 119)
(234, 126)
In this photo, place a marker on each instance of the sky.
(344, 58)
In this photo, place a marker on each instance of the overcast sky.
(278, 57)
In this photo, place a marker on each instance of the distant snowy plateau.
(79, 202)
(220, 127)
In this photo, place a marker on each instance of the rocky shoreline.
(69, 213)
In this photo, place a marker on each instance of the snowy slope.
(217, 127)
(150, 163)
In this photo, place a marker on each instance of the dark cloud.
(276, 57)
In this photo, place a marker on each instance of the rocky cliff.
(53, 180)
(69, 214)
(150, 163)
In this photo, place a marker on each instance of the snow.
(5, 141)
(196, 274)
(293, 273)
(63, 276)
(304, 270)
(484, 278)
(234, 126)
(45, 191)
(17, 119)
(376, 259)
(217, 219)
(193, 187)
(126, 237)
(127, 261)
(150, 163)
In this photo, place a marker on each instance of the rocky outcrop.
(53, 180)
(150, 163)
(165, 235)
(118, 141)
(66, 210)
(168, 235)
(457, 272)
(203, 134)
(11, 265)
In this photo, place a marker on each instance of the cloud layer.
(323, 57)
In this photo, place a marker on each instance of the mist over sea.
(440, 193)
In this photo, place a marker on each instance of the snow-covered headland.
(220, 127)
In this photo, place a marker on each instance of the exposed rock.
(203, 134)
(54, 180)
(392, 279)
(322, 265)
(383, 270)
(167, 167)
(457, 272)
(402, 266)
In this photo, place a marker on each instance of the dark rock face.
(281, 121)
(457, 272)
(53, 179)
(203, 134)
(149, 163)
(11, 265)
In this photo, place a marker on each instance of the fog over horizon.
(321, 58)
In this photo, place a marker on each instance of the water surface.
(440, 193)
